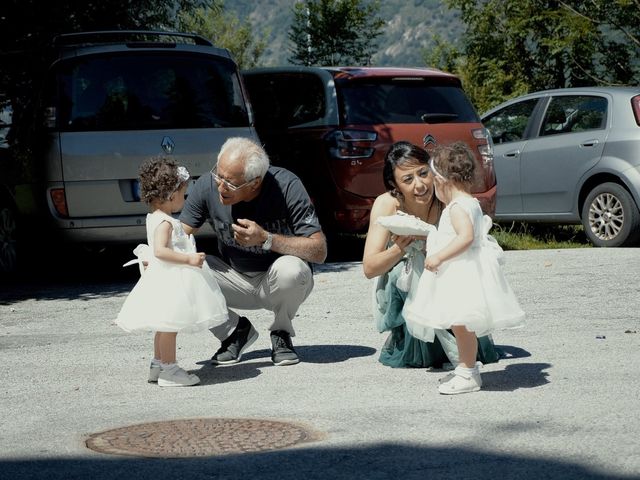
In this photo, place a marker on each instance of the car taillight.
(351, 144)
(50, 117)
(635, 104)
(486, 150)
(59, 201)
(488, 180)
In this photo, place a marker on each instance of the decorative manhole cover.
(199, 437)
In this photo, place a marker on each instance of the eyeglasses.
(228, 185)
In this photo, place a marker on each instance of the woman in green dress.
(396, 262)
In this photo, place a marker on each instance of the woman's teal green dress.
(401, 349)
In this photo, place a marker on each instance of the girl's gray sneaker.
(154, 373)
(175, 376)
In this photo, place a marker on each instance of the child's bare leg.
(467, 345)
(167, 346)
(156, 346)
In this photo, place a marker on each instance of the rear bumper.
(488, 201)
(108, 230)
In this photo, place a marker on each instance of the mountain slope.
(409, 29)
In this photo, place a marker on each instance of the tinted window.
(142, 91)
(509, 123)
(286, 100)
(412, 100)
(575, 113)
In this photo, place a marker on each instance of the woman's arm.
(161, 249)
(378, 258)
(462, 241)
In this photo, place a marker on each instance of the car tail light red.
(59, 201)
(351, 144)
(487, 179)
(635, 104)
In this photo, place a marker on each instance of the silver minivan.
(570, 156)
(112, 100)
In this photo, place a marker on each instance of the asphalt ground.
(563, 404)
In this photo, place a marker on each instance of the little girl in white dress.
(463, 287)
(177, 291)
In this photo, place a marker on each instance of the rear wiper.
(438, 117)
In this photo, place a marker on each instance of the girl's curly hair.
(455, 162)
(158, 179)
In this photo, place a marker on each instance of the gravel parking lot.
(563, 403)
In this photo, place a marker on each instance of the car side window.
(510, 123)
(305, 100)
(574, 113)
(286, 100)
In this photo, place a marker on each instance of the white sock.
(155, 362)
(167, 366)
(467, 371)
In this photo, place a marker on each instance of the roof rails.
(127, 36)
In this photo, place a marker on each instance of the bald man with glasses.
(268, 234)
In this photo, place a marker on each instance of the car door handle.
(590, 143)
(512, 153)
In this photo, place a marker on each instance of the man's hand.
(248, 233)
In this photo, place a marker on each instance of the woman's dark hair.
(399, 153)
(158, 179)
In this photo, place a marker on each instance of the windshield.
(146, 91)
(403, 100)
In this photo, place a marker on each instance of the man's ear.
(256, 184)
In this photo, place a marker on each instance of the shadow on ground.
(378, 461)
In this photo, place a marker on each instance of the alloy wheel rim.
(606, 216)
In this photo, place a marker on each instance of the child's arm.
(463, 239)
(161, 250)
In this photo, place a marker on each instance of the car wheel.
(611, 217)
(8, 240)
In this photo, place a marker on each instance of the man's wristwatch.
(267, 243)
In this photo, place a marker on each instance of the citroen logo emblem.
(428, 139)
(168, 145)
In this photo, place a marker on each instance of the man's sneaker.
(154, 373)
(282, 352)
(176, 377)
(449, 376)
(235, 345)
(461, 383)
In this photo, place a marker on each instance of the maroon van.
(332, 126)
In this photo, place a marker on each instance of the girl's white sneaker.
(450, 375)
(176, 377)
(461, 383)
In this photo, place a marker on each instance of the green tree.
(516, 46)
(225, 30)
(334, 32)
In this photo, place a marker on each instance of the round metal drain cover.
(199, 437)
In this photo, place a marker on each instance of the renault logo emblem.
(428, 139)
(168, 145)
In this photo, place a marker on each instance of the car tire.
(8, 240)
(610, 216)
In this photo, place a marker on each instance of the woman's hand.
(402, 241)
